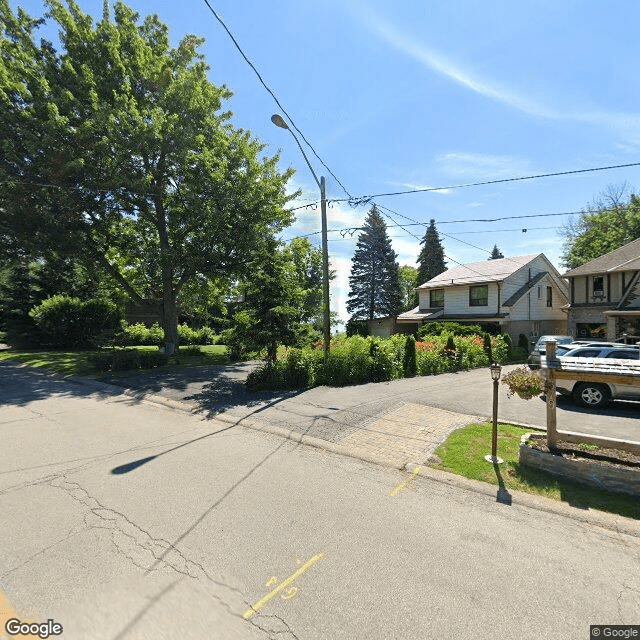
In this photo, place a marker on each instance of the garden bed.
(609, 469)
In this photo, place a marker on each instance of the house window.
(549, 297)
(539, 293)
(479, 296)
(436, 298)
(598, 287)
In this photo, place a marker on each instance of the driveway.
(331, 413)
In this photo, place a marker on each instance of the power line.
(354, 202)
(273, 95)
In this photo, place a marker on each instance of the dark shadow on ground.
(617, 408)
(503, 496)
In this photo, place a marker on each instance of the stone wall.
(585, 471)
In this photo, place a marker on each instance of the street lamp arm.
(279, 122)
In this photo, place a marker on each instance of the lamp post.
(326, 329)
(495, 376)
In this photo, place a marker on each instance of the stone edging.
(616, 478)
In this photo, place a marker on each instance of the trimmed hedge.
(128, 359)
(141, 335)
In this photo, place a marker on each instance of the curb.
(615, 523)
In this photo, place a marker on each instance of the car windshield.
(540, 344)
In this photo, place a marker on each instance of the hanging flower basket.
(523, 382)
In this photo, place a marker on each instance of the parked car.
(598, 394)
(540, 346)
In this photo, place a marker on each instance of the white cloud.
(483, 165)
(625, 124)
(411, 185)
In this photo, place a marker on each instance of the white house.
(521, 294)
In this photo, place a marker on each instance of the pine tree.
(431, 260)
(374, 281)
(495, 253)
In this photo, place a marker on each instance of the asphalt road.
(330, 410)
(123, 519)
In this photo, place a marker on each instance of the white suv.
(597, 394)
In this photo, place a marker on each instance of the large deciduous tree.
(612, 220)
(374, 281)
(408, 282)
(431, 260)
(117, 150)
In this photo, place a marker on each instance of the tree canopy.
(374, 281)
(431, 260)
(612, 220)
(495, 253)
(118, 151)
(408, 282)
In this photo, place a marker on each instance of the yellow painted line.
(6, 613)
(290, 580)
(404, 484)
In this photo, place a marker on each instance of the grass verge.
(77, 362)
(463, 454)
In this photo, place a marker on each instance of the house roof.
(624, 258)
(511, 300)
(479, 272)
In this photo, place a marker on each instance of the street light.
(279, 122)
(495, 369)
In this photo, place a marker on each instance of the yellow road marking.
(283, 585)
(6, 613)
(404, 484)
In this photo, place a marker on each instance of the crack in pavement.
(147, 552)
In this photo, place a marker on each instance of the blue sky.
(413, 94)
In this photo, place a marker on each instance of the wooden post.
(550, 391)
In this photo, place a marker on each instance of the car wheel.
(590, 394)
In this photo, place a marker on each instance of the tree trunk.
(169, 313)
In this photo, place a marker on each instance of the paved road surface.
(122, 519)
(328, 412)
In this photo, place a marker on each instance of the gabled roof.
(478, 272)
(511, 300)
(625, 258)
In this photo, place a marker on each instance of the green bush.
(409, 360)
(502, 348)
(296, 371)
(140, 335)
(357, 328)
(451, 328)
(68, 322)
(487, 346)
(128, 359)
(523, 342)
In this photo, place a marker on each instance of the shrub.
(409, 361)
(524, 382)
(68, 322)
(451, 328)
(523, 342)
(357, 328)
(487, 346)
(128, 359)
(296, 371)
(502, 348)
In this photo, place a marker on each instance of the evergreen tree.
(431, 259)
(374, 281)
(495, 253)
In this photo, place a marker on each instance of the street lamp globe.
(495, 371)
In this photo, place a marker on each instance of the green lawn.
(77, 362)
(463, 454)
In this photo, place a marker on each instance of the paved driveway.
(336, 412)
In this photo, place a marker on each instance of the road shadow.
(503, 496)
(616, 409)
(21, 385)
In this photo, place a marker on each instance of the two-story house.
(521, 294)
(605, 296)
